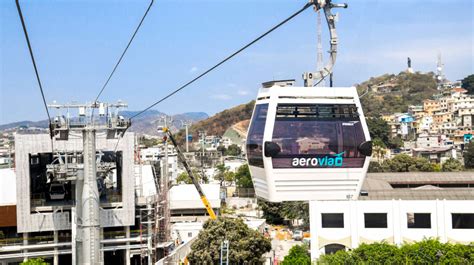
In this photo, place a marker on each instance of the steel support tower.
(87, 211)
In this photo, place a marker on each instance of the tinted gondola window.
(255, 136)
(318, 136)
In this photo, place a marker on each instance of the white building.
(398, 208)
(185, 200)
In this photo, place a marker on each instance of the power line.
(124, 51)
(34, 62)
(225, 60)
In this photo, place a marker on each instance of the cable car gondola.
(307, 143)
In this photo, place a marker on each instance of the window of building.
(463, 220)
(375, 220)
(190, 234)
(418, 220)
(333, 248)
(332, 220)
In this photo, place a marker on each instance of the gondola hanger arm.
(318, 76)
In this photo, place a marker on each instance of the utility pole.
(186, 124)
(87, 218)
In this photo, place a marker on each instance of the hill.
(388, 93)
(391, 93)
(219, 123)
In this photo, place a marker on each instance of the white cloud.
(221, 96)
(242, 92)
(193, 69)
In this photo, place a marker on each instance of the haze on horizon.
(76, 44)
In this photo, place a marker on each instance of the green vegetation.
(469, 155)
(36, 261)
(148, 142)
(219, 123)
(451, 165)
(380, 133)
(184, 178)
(404, 163)
(243, 178)
(223, 174)
(428, 251)
(246, 246)
(298, 254)
(276, 213)
(468, 83)
(232, 150)
(408, 89)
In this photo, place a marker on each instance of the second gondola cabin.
(307, 143)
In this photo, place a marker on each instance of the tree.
(427, 251)
(35, 261)
(243, 178)
(184, 178)
(298, 254)
(452, 165)
(246, 246)
(406, 163)
(395, 142)
(468, 83)
(296, 210)
(233, 150)
(469, 155)
(221, 149)
(379, 131)
(223, 174)
(272, 211)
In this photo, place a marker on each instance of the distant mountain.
(146, 123)
(19, 124)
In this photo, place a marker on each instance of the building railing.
(178, 254)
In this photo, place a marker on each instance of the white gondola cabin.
(307, 143)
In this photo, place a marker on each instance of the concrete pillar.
(90, 203)
(25, 243)
(127, 251)
(56, 256)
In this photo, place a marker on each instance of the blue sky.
(76, 44)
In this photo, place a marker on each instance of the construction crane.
(182, 159)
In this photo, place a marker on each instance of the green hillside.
(402, 90)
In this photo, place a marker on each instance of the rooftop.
(419, 186)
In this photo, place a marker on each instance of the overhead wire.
(224, 60)
(36, 69)
(216, 66)
(124, 51)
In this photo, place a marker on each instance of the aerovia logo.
(326, 161)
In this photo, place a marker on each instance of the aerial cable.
(124, 51)
(36, 69)
(225, 60)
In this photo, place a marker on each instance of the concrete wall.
(59, 219)
(354, 232)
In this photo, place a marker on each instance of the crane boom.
(182, 159)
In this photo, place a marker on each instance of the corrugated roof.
(379, 186)
(8, 185)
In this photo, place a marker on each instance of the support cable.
(36, 69)
(124, 51)
(216, 66)
(224, 60)
(32, 58)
